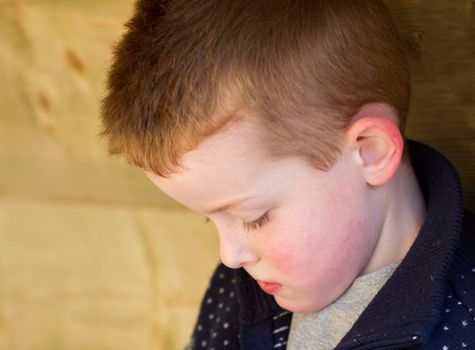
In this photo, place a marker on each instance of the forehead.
(224, 166)
(232, 159)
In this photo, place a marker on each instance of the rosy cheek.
(293, 256)
(283, 260)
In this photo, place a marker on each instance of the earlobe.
(378, 146)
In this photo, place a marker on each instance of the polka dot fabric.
(457, 329)
(217, 326)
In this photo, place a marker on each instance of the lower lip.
(269, 288)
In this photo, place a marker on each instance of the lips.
(269, 287)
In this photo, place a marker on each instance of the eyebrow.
(227, 206)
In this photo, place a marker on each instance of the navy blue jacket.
(428, 303)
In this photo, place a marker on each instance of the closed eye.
(251, 226)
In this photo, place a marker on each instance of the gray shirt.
(324, 329)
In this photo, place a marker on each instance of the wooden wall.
(92, 256)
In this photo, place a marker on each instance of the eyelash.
(251, 226)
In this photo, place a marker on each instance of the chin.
(298, 306)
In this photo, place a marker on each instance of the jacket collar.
(409, 305)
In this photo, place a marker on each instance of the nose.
(235, 251)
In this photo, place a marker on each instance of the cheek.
(327, 247)
(284, 260)
(294, 252)
(318, 233)
(350, 241)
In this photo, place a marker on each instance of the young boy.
(283, 122)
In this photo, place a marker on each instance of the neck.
(404, 214)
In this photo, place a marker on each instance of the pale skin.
(309, 231)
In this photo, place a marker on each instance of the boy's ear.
(377, 142)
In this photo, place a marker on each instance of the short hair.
(303, 68)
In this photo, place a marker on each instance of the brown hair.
(303, 68)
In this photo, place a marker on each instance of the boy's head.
(293, 108)
(303, 67)
(302, 233)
